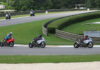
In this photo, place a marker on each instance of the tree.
(16, 5)
(2, 0)
(50, 4)
(97, 3)
(90, 3)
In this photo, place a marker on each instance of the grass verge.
(49, 59)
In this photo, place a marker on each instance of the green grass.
(79, 28)
(49, 59)
(24, 33)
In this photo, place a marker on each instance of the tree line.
(49, 4)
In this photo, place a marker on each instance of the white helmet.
(11, 33)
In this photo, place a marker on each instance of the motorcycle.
(9, 42)
(39, 43)
(86, 43)
(8, 17)
(32, 14)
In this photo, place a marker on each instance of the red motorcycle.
(9, 42)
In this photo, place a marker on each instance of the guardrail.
(96, 39)
(44, 31)
(67, 35)
(73, 37)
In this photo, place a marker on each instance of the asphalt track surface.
(19, 50)
(37, 18)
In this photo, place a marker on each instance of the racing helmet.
(86, 36)
(10, 33)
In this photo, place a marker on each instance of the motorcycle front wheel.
(90, 45)
(43, 44)
(11, 44)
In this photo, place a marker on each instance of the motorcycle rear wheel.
(30, 45)
(1, 44)
(43, 44)
(76, 45)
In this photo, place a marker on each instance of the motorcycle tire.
(30, 45)
(2, 44)
(11, 44)
(43, 44)
(33, 14)
(9, 17)
(76, 45)
(90, 45)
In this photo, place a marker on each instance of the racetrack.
(20, 50)
(36, 18)
(51, 50)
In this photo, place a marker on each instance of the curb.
(62, 46)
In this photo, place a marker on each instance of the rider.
(8, 16)
(8, 36)
(86, 37)
(40, 37)
(31, 12)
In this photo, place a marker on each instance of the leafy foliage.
(48, 4)
(41, 4)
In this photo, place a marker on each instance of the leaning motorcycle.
(40, 43)
(9, 42)
(86, 43)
